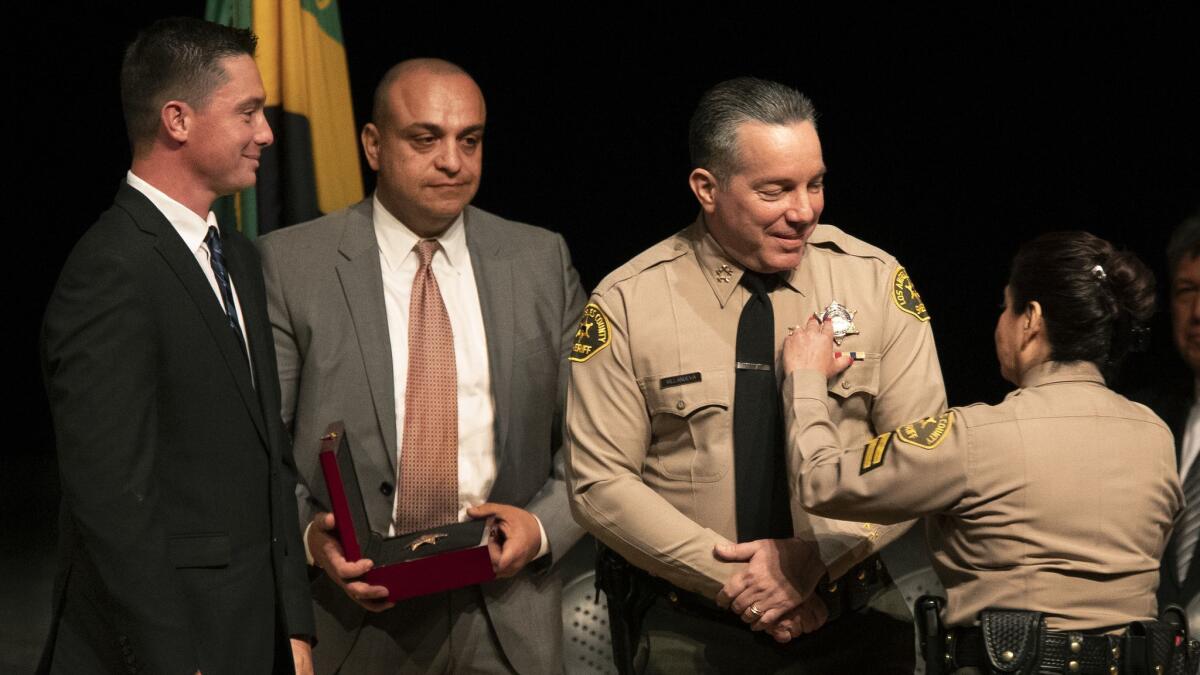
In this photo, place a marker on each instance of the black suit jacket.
(179, 546)
(1172, 400)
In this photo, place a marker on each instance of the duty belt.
(1056, 652)
(1018, 642)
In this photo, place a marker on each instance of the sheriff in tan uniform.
(1059, 499)
(650, 407)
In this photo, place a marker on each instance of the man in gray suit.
(362, 301)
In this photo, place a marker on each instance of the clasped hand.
(774, 593)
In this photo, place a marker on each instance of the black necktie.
(216, 258)
(760, 470)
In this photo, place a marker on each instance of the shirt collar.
(190, 226)
(723, 272)
(396, 241)
(1053, 372)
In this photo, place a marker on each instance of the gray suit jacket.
(325, 296)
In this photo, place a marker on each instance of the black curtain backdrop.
(950, 138)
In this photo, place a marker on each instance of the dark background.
(950, 138)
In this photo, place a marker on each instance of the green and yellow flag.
(312, 168)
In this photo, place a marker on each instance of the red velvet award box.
(408, 565)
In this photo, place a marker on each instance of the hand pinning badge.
(842, 320)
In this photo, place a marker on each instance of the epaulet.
(664, 251)
(982, 414)
(831, 238)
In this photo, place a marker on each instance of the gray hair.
(712, 133)
(1184, 243)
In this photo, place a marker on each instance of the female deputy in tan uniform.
(1059, 500)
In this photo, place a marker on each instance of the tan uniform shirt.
(1059, 500)
(650, 407)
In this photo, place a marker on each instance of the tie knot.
(759, 283)
(212, 236)
(425, 250)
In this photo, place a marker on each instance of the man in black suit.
(179, 545)
(1177, 405)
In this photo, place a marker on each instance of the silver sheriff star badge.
(842, 320)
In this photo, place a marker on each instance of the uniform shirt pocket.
(862, 377)
(691, 424)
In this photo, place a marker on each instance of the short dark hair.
(712, 133)
(1095, 299)
(1184, 243)
(175, 59)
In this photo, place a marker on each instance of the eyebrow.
(252, 100)
(438, 130)
(776, 180)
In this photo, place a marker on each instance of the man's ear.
(704, 185)
(176, 119)
(370, 144)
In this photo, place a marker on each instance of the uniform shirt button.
(680, 405)
(845, 384)
(386, 489)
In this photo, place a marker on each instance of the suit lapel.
(494, 279)
(1177, 420)
(247, 279)
(183, 263)
(362, 284)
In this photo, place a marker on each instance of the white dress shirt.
(192, 229)
(398, 263)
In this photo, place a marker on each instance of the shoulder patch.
(906, 296)
(875, 452)
(592, 336)
(927, 433)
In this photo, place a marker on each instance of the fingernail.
(837, 355)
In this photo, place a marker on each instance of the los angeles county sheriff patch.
(592, 335)
(927, 433)
(906, 296)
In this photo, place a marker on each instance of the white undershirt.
(1190, 443)
(192, 229)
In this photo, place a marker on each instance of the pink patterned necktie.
(428, 473)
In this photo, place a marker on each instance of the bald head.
(426, 143)
(408, 72)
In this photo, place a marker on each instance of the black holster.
(1164, 642)
(628, 601)
(927, 615)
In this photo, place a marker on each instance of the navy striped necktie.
(216, 258)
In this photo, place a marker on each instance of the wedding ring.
(756, 611)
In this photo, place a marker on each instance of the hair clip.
(1139, 338)
(1098, 272)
